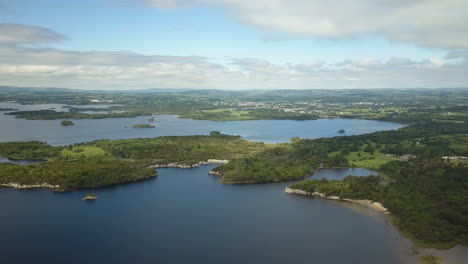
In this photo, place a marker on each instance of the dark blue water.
(272, 131)
(187, 216)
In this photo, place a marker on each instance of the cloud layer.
(28, 65)
(439, 23)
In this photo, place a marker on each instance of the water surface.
(271, 131)
(187, 216)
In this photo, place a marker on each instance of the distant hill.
(14, 89)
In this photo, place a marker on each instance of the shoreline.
(57, 188)
(186, 166)
(29, 186)
(368, 203)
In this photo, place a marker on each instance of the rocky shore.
(214, 173)
(31, 186)
(185, 166)
(89, 197)
(374, 205)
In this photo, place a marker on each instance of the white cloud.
(31, 66)
(165, 4)
(440, 23)
(308, 66)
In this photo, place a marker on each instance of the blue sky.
(248, 42)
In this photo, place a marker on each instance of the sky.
(234, 44)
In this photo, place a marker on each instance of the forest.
(426, 198)
(107, 162)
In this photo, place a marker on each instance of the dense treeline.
(427, 199)
(53, 115)
(351, 187)
(75, 174)
(185, 149)
(28, 150)
(271, 165)
(106, 162)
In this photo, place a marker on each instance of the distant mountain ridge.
(15, 89)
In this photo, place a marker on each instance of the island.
(3, 109)
(67, 123)
(106, 162)
(341, 131)
(90, 197)
(143, 126)
(151, 119)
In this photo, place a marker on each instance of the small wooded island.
(67, 123)
(341, 131)
(90, 197)
(143, 126)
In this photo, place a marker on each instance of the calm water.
(13, 129)
(187, 216)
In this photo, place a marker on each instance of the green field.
(83, 152)
(366, 160)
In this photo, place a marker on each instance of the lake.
(186, 215)
(271, 131)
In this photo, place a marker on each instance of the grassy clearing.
(80, 152)
(364, 159)
(449, 121)
(458, 142)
